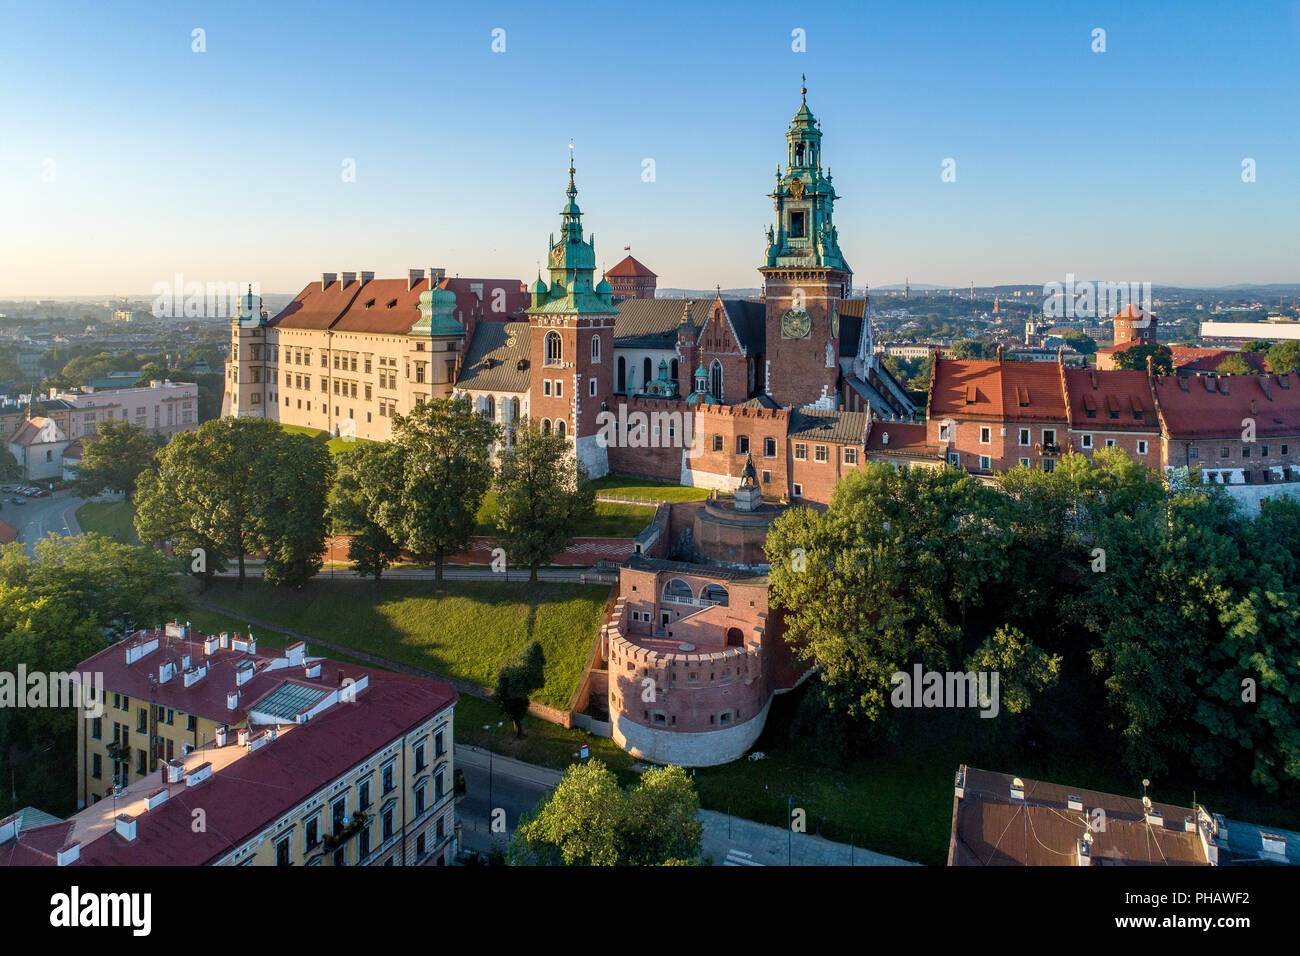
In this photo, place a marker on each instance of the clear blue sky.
(225, 165)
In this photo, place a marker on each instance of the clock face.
(796, 324)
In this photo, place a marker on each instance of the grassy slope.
(464, 629)
(610, 520)
(618, 486)
(113, 519)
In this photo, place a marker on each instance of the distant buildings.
(38, 446)
(211, 753)
(630, 279)
(162, 407)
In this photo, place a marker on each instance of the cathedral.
(698, 386)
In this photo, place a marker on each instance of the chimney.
(243, 673)
(1083, 850)
(325, 279)
(126, 827)
(232, 700)
(222, 732)
(166, 671)
(69, 854)
(365, 276)
(175, 771)
(1017, 789)
(156, 798)
(1074, 803)
(225, 640)
(9, 828)
(345, 278)
(413, 276)
(313, 669)
(210, 644)
(242, 736)
(198, 774)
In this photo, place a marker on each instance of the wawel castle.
(790, 378)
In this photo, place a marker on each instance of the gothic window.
(595, 349)
(559, 427)
(674, 370)
(646, 378)
(546, 426)
(490, 408)
(621, 384)
(715, 379)
(553, 350)
(679, 591)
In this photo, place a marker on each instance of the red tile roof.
(1001, 391)
(1115, 400)
(1214, 406)
(1209, 360)
(387, 306)
(905, 438)
(8, 532)
(246, 790)
(629, 268)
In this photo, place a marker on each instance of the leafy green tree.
(1162, 359)
(235, 487)
(1233, 365)
(968, 349)
(892, 574)
(365, 475)
(1284, 356)
(293, 477)
(115, 460)
(10, 470)
(542, 494)
(446, 470)
(517, 682)
(1081, 341)
(590, 821)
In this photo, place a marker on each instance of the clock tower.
(804, 275)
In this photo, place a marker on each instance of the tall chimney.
(325, 279)
(413, 276)
(345, 278)
(365, 276)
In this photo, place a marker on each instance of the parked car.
(40, 493)
(18, 501)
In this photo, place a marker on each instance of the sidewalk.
(757, 844)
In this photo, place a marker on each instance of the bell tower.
(804, 274)
(571, 340)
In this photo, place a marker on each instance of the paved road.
(38, 517)
(517, 787)
(566, 575)
(496, 782)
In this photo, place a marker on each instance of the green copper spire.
(805, 235)
(571, 263)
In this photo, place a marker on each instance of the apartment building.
(162, 407)
(210, 753)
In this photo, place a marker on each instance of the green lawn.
(610, 520)
(212, 622)
(113, 519)
(335, 445)
(463, 629)
(643, 489)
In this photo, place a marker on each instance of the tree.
(1284, 356)
(968, 349)
(10, 470)
(1162, 359)
(1233, 365)
(115, 460)
(517, 682)
(293, 477)
(1081, 341)
(235, 487)
(366, 472)
(590, 821)
(542, 494)
(446, 470)
(893, 574)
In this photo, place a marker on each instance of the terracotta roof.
(1115, 400)
(629, 268)
(8, 533)
(492, 362)
(904, 438)
(29, 432)
(1214, 406)
(1002, 391)
(1208, 360)
(387, 306)
(991, 828)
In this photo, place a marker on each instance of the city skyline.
(230, 163)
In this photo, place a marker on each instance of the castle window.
(679, 592)
(595, 349)
(767, 477)
(1142, 448)
(797, 221)
(621, 384)
(546, 426)
(742, 444)
(714, 594)
(797, 490)
(546, 387)
(591, 387)
(717, 443)
(769, 447)
(800, 451)
(554, 351)
(820, 453)
(850, 456)
(715, 379)
(559, 387)
(559, 427)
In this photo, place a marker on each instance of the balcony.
(1048, 448)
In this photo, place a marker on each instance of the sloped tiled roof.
(387, 306)
(1115, 400)
(749, 319)
(840, 428)
(492, 362)
(989, 389)
(1214, 406)
(629, 268)
(652, 323)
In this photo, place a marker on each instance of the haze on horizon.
(130, 158)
